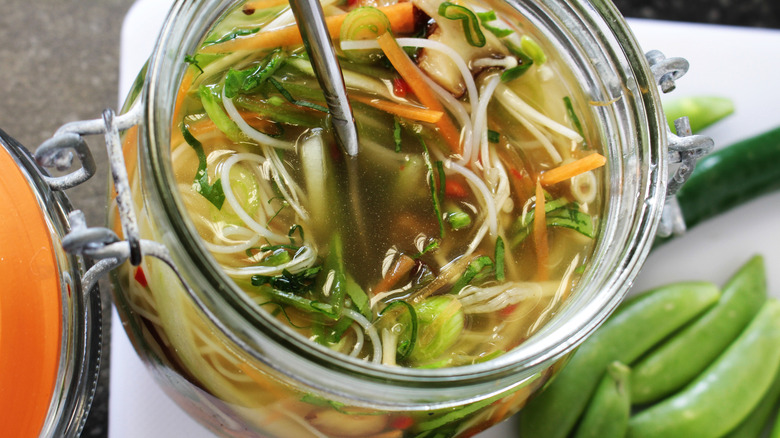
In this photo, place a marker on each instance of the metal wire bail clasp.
(98, 243)
(683, 149)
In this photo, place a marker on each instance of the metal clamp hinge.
(683, 148)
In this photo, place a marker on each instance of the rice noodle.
(494, 298)
(249, 131)
(513, 101)
(479, 185)
(370, 331)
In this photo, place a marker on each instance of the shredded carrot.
(569, 170)
(455, 189)
(186, 83)
(251, 7)
(402, 266)
(414, 78)
(399, 109)
(400, 15)
(540, 234)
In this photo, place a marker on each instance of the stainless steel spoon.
(316, 39)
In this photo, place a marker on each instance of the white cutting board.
(738, 63)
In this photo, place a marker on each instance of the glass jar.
(241, 373)
(50, 338)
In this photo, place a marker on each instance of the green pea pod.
(725, 393)
(636, 327)
(682, 358)
(702, 111)
(609, 409)
(754, 424)
(776, 429)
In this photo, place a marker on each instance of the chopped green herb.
(500, 275)
(249, 80)
(475, 267)
(233, 35)
(432, 184)
(292, 231)
(298, 283)
(471, 29)
(212, 192)
(493, 136)
(574, 119)
(433, 244)
(442, 178)
(397, 134)
(193, 61)
(277, 257)
(284, 204)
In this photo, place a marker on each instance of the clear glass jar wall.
(241, 373)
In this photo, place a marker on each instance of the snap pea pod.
(637, 326)
(702, 111)
(683, 357)
(609, 409)
(754, 424)
(776, 428)
(725, 393)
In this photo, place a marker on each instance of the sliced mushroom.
(439, 66)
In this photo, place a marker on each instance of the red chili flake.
(140, 277)
(402, 422)
(400, 87)
(454, 189)
(506, 311)
(516, 173)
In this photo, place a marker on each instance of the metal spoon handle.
(316, 39)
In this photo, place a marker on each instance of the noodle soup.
(461, 227)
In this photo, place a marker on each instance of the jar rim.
(614, 267)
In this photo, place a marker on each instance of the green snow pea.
(638, 325)
(683, 357)
(726, 392)
(609, 409)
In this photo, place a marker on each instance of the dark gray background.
(59, 63)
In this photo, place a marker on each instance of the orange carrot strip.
(540, 234)
(414, 78)
(402, 266)
(401, 16)
(569, 170)
(251, 7)
(186, 83)
(408, 111)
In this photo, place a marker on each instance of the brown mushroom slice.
(437, 65)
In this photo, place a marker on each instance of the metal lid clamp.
(683, 148)
(99, 243)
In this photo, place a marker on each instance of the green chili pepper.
(638, 325)
(725, 393)
(684, 356)
(609, 409)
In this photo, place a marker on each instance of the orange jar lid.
(30, 306)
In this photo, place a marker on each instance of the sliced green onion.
(364, 23)
(406, 346)
(471, 29)
(397, 134)
(458, 219)
(486, 17)
(532, 49)
(573, 116)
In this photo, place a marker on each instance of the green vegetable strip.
(574, 119)
(210, 97)
(249, 80)
(471, 30)
(500, 259)
(405, 348)
(474, 268)
(212, 192)
(233, 35)
(524, 63)
(432, 184)
(291, 99)
(397, 134)
(493, 136)
(442, 178)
